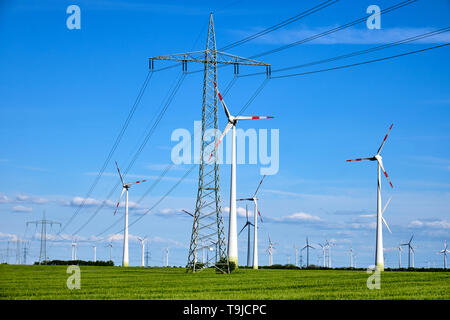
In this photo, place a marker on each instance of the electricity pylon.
(43, 223)
(208, 220)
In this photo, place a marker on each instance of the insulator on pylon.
(269, 71)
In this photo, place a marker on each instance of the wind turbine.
(270, 250)
(351, 257)
(379, 261)
(410, 250)
(255, 223)
(125, 188)
(247, 225)
(95, 252)
(74, 250)
(232, 232)
(110, 250)
(166, 251)
(382, 213)
(296, 255)
(307, 251)
(142, 241)
(329, 245)
(399, 256)
(324, 248)
(444, 251)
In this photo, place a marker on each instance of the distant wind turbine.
(110, 245)
(247, 225)
(270, 250)
(125, 188)
(410, 252)
(255, 223)
(307, 251)
(444, 252)
(142, 241)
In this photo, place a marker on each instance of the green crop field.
(49, 282)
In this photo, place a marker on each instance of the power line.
(361, 63)
(141, 147)
(356, 53)
(113, 149)
(325, 33)
(281, 24)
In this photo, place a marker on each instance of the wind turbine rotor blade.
(227, 128)
(120, 175)
(136, 182)
(243, 228)
(118, 202)
(411, 239)
(385, 206)
(260, 217)
(221, 100)
(187, 213)
(385, 223)
(384, 140)
(385, 173)
(361, 159)
(368, 215)
(252, 117)
(259, 185)
(245, 199)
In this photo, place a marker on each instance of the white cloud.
(301, 216)
(4, 199)
(296, 217)
(240, 211)
(22, 209)
(433, 224)
(89, 202)
(30, 199)
(8, 236)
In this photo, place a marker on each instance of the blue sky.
(66, 93)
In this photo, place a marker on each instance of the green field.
(49, 282)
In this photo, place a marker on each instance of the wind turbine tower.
(379, 260)
(125, 188)
(231, 125)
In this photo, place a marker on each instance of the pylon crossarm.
(199, 57)
(227, 58)
(189, 56)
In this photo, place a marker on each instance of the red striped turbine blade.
(385, 173)
(259, 213)
(384, 140)
(360, 159)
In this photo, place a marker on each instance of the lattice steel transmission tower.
(208, 226)
(43, 223)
